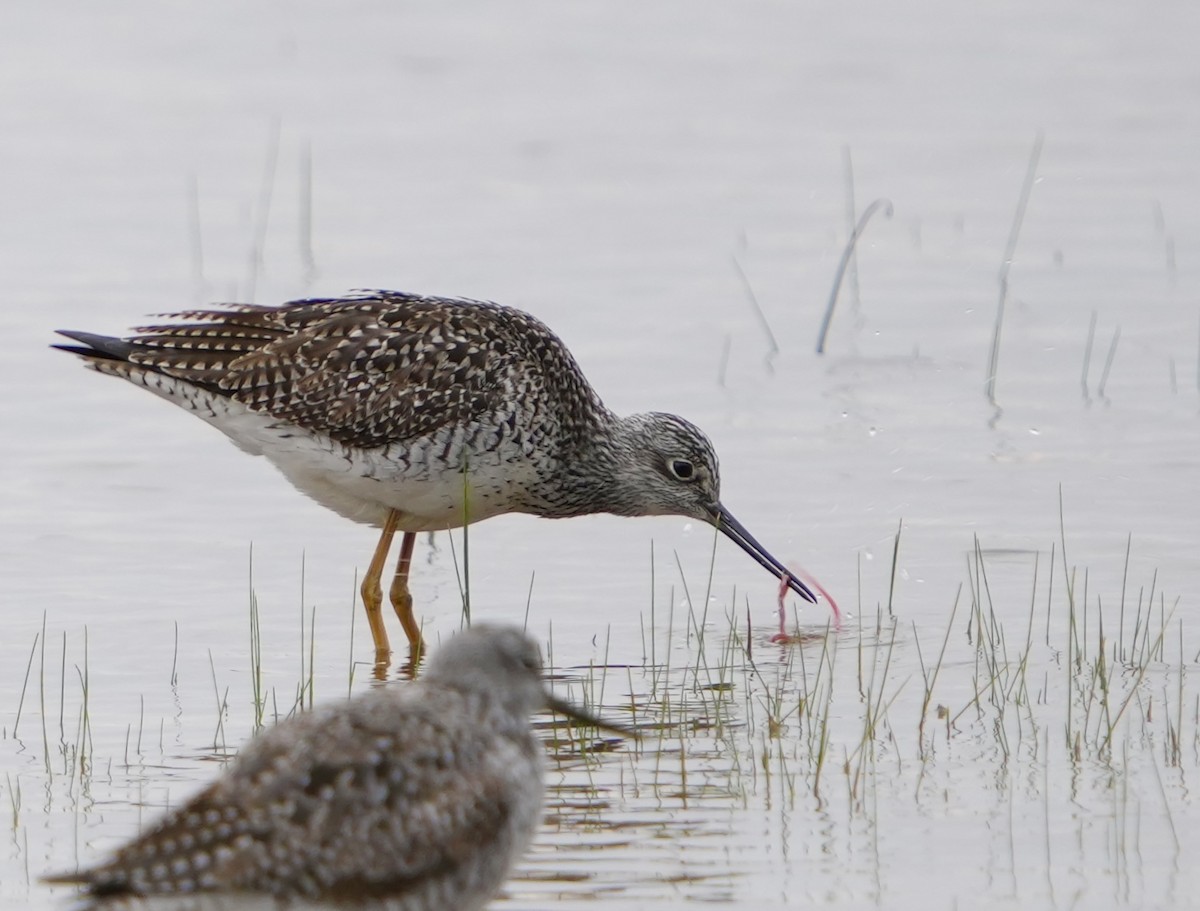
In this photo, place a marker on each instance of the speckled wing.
(366, 370)
(376, 798)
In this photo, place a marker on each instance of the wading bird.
(414, 414)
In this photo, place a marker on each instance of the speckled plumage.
(384, 400)
(411, 797)
(421, 413)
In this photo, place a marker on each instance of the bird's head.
(666, 467)
(504, 663)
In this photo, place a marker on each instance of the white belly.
(363, 485)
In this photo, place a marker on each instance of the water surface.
(604, 166)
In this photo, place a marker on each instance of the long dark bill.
(736, 531)
(575, 713)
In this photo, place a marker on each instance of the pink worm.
(812, 582)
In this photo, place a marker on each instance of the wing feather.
(366, 370)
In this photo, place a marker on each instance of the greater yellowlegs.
(410, 797)
(419, 413)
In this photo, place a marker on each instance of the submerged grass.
(1036, 675)
(997, 697)
(1010, 252)
(1111, 654)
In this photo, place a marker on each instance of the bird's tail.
(97, 347)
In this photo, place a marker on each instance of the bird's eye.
(682, 469)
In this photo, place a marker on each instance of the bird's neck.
(586, 476)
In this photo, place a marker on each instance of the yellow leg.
(402, 600)
(372, 589)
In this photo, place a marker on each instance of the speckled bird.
(418, 414)
(410, 797)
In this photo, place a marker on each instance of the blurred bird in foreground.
(410, 797)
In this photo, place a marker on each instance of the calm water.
(605, 166)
